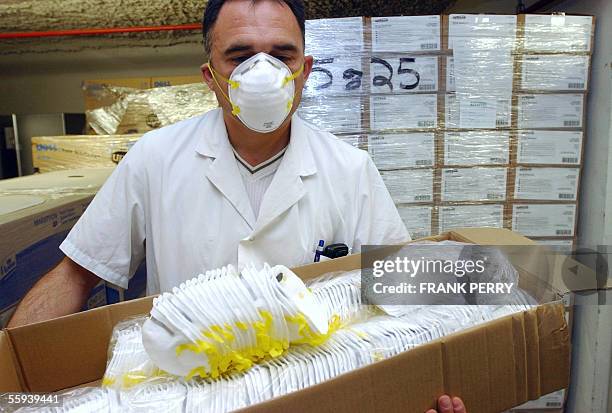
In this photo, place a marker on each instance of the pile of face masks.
(366, 334)
(222, 321)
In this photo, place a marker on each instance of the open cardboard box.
(493, 367)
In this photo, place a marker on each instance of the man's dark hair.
(214, 6)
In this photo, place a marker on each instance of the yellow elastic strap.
(293, 76)
(233, 84)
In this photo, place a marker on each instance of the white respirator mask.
(261, 91)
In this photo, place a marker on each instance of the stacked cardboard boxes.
(36, 214)
(473, 120)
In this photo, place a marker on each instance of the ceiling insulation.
(45, 15)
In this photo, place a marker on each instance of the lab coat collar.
(286, 187)
(213, 141)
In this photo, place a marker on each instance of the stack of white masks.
(222, 321)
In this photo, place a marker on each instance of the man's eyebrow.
(285, 47)
(238, 48)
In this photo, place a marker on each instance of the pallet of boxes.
(119, 112)
(472, 120)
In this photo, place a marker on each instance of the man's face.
(245, 28)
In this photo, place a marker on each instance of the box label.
(549, 147)
(417, 220)
(555, 72)
(328, 36)
(558, 33)
(410, 111)
(403, 73)
(406, 150)
(482, 31)
(409, 185)
(471, 216)
(544, 220)
(474, 184)
(550, 111)
(476, 148)
(479, 114)
(406, 33)
(554, 184)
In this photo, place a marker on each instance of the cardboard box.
(546, 184)
(544, 220)
(557, 33)
(462, 216)
(468, 148)
(494, 366)
(473, 184)
(51, 153)
(388, 112)
(410, 185)
(418, 219)
(36, 214)
(546, 111)
(455, 117)
(543, 147)
(403, 34)
(549, 73)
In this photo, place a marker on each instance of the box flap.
(9, 378)
(41, 348)
(63, 352)
(543, 270)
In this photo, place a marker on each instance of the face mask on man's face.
(261, 91)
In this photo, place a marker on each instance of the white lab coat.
(177, 198)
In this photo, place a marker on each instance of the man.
(249, 182)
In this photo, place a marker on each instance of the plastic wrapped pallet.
(467, 114)
(138, 111)
(52, 153)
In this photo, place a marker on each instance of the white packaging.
(558, 33)
(456, 118)
(549, 147)
(403, 73)
(555, 72)
(544, 220)
(473, 184)
(409, 185)
(496, 31)
(406, 33)
(550, 111)
(405, 150)
(476, 148)
(409, 111)
(336, 75)
(464, 216)
(328, 36)
(417, 220)
(547, 184)
(334, 114)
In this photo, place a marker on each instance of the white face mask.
(261, 91)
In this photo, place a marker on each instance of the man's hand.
(446, 405)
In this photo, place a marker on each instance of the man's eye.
(239, 59)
